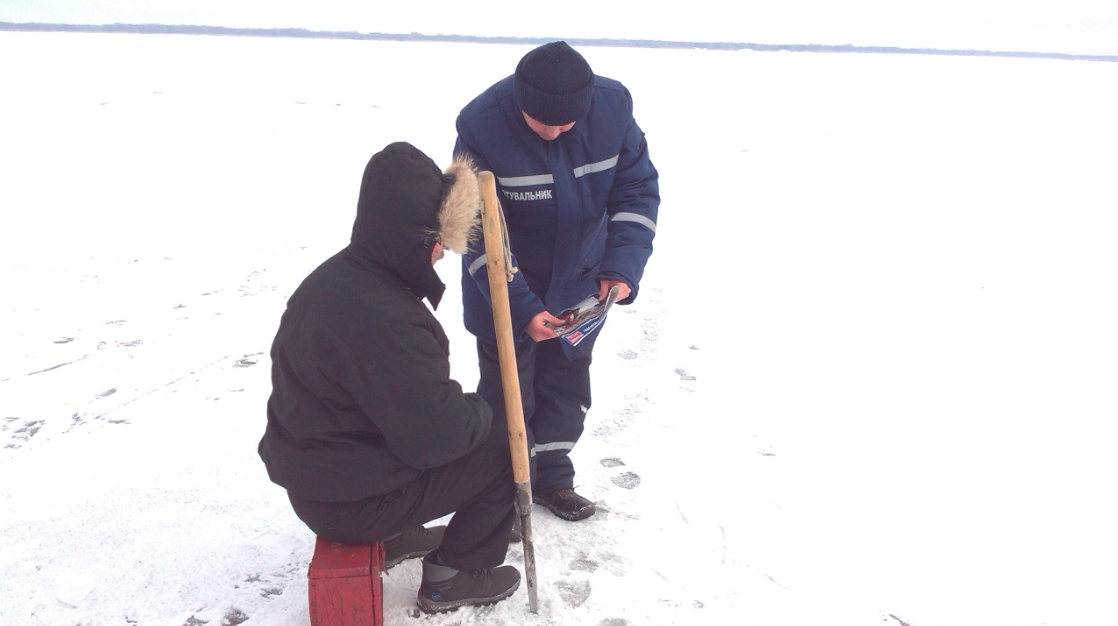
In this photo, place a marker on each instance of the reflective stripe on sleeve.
(527, 181)
(478, 263)
(634, 217)
(548, 447)
(600, 166)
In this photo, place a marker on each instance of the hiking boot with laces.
(567, 504)
(412, 543)
(446, 589)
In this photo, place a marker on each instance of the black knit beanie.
(553, 84)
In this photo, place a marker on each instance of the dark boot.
(567, 504)
(446, 589)
(412, 543)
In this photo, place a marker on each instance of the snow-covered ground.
(870, 379)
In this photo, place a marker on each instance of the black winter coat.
(362, 400)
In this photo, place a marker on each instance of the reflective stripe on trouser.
(556, 394)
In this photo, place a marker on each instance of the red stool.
(344, 584)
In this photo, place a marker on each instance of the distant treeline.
(302, 33)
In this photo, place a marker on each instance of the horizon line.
(303, 33)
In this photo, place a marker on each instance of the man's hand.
(604, 285)
(536, 329)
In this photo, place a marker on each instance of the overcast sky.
(1069, 26)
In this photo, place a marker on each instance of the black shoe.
(446, 589)
(567, 504)
(517, 534)
(411, 543)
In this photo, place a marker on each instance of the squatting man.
(366, 430)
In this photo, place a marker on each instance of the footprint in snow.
(683, 375)
(583, 564)
(574, 593)
(618, 420)
(612, 462)
(233, 617)
(248, 360)
(628, 480)
(615, 621)
(26, 431)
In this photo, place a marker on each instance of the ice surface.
(869, 378)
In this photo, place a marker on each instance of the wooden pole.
(493, 227)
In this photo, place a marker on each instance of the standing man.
(580, 198)
(366, 430)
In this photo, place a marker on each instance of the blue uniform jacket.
(578, 208)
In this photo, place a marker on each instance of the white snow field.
(871, 377)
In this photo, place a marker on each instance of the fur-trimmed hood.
(460, 213)
(406, 205)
